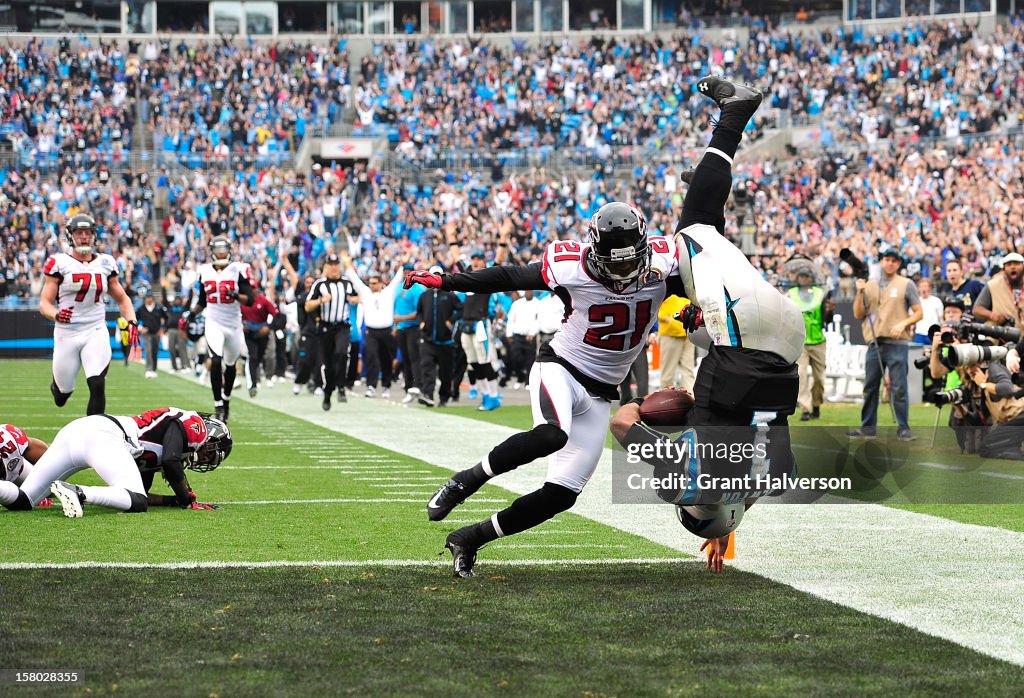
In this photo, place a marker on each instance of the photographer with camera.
(988, 394)
(889, 309)
(1005, 402)
(1002, 301)
(969, 416)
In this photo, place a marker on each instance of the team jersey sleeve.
(110, 266)
(497, 278)
(172, 466)
(53, 268)
(245, 289)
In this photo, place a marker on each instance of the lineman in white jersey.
(73, 297)
(223, 285)
(747, 385)
(611, 289)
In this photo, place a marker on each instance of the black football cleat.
(450, 495)
(326, 403)
(737, 102)
(463, 556)
(59, 398)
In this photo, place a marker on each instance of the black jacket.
(153, 320)
(438, 313)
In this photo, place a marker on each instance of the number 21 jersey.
(603, 331)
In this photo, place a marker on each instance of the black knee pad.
(140, 502)
(549, 437)
(59, 398)
(558, 497)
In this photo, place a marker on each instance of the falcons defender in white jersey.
(223, 287)
(73, 298)
(123, 451)
(611, 289)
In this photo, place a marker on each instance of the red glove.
(691, 317)
(64, 315)
(183, 324)
(424, 278)
(204, 506)
(133, 334)
(45, 503)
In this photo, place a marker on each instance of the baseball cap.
(892, 252)
(1013, 257)
(436, 270)
(478, 255)
(332, 259)
(953, 302)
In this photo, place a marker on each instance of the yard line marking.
(564, 546)
(241, 564)
(942, 466)
(1004, 476)
(429, 478)
(339, 468)
(339, 500)
(398, 485)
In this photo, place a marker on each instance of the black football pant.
(152, 341)
(409, 345)
(436, 360)
(334, 354)
(521, 355)
(459, 365)
(257, 346)
(377, 357)
(307, 363)
(638, 370)
(353, 363)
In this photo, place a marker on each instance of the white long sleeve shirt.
(522, 318)
(379, 307)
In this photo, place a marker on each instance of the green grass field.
(320, 576)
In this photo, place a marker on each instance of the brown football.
(666, 408)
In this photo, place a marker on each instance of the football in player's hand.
(666, 408)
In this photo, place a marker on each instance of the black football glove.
(691, 317)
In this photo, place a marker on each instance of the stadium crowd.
(931, 201)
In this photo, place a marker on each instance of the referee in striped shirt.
(328, 300)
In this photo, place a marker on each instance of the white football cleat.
(68, 498)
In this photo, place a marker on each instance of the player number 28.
(220, 292)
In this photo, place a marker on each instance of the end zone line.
(231, 564)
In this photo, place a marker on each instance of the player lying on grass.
(126, 452)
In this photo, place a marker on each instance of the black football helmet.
(216, 449)
(81, 222)
(620, 254)
(220, 251)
